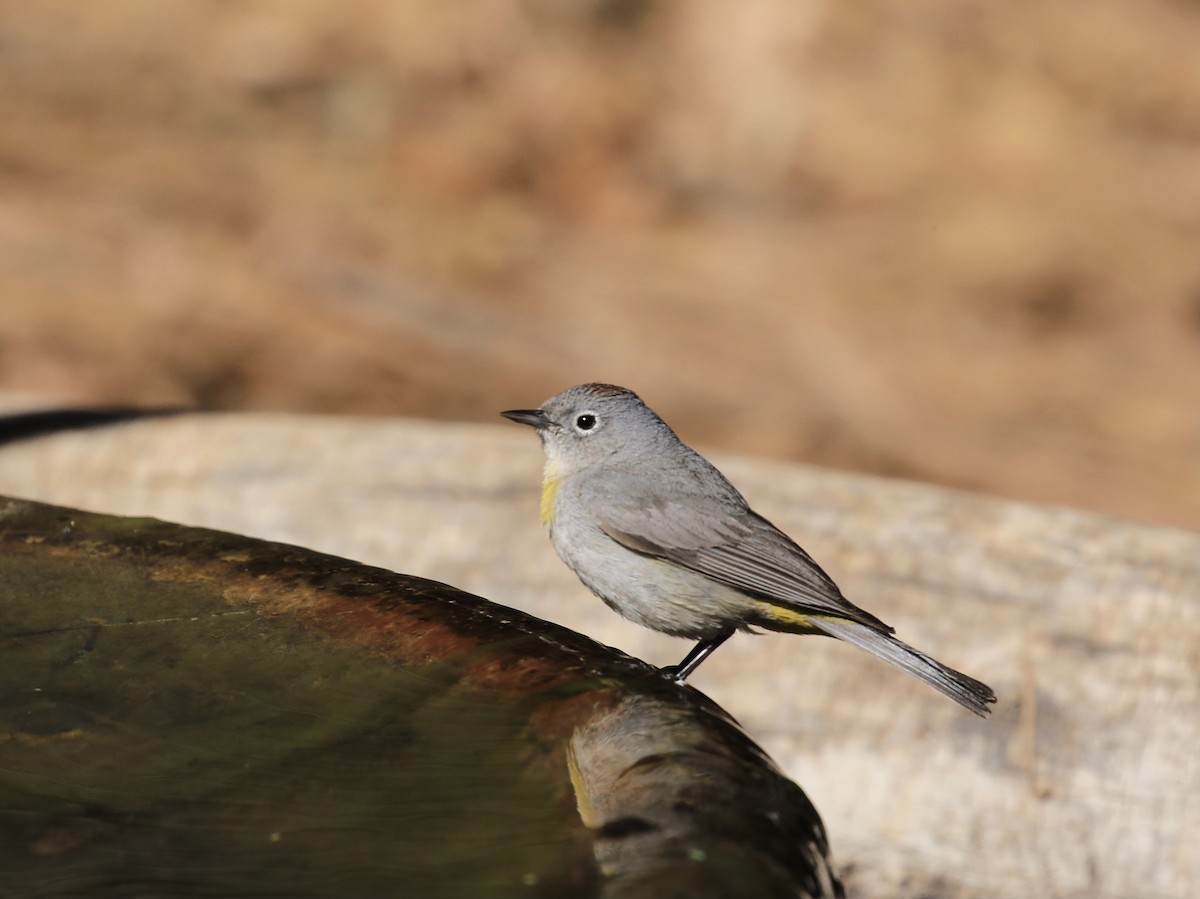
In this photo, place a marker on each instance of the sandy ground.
(952, 242)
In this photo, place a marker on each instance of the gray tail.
(966, 691)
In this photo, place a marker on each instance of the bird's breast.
(551, 481)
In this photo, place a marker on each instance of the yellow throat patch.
(550, 481)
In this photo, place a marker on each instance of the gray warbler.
(663, 538)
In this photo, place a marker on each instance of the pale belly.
(650, 592)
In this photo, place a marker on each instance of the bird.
(665, 540)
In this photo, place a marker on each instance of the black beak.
(535, 418)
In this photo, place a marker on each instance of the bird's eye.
(585, 422)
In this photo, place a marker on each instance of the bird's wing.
(732, 545)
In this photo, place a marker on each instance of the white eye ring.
(586, 422)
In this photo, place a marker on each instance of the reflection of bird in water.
(660, 783)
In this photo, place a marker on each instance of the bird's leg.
(698, 653)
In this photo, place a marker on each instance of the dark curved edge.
(28, 425)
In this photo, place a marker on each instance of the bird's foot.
(674, 673)
(701, 651)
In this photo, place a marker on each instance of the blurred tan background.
(948, 241)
